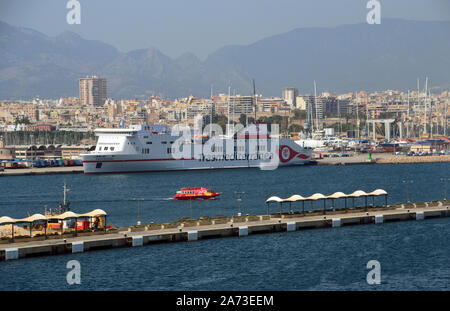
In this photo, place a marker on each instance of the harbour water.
(413, 255)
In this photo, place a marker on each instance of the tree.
(243, 119)
(295, 128)
(22, 120)
(299, 114)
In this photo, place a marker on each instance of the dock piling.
(243, 231)
(11, 253)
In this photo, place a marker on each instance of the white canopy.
(337, 195)
(316, 196)
(378, 192)
(357, 193)
(6, 220)
(66, 215)
(294, 198)
(94, 213)
(320, 196)
(274, 199)
(32, 218)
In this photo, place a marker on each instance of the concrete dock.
(42, 171)
(382, 158)
(216, 228)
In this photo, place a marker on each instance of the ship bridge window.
(112, 148)
(149, 143)
(164, 142)
(106, 148)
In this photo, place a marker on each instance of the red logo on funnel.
(286, 153)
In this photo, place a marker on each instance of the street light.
(408, 182)
(138, 214)
(445, 187)
(238, 193)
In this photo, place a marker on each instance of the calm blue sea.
(413, 255)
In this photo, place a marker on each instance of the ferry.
(195, 194)
(146, 148)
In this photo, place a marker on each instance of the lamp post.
(408, 182)
(138, 210)
(239, 199)
(445, 187)
(32, 156)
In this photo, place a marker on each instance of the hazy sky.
(202, 26)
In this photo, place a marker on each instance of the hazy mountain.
(32, 63)
(345, 58)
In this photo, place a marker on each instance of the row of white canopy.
(320, 196)
(38, 217)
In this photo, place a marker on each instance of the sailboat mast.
(315, 105)
(407, 116)
(425, 107)
(357, 116)
(234, 103)
(367, 117)
(445, 118)
(254, 100)
(228, 111)
(211, 112)
(418, 98)
(339, 116)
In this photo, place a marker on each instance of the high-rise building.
(290, 96)
(92, 91)
(241, 104)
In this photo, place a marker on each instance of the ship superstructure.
(146, 148)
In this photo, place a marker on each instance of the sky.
(202, 26)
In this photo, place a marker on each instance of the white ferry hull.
(129, 151)
(128, 165)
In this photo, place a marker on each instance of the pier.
(383, 158)
(218, 227)
(42, 171)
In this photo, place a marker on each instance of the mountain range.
(391, 55)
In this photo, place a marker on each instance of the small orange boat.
(195, 194)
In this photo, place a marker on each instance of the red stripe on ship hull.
(192, 169)
(174, 170)
(137, 160)
(303, 156)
